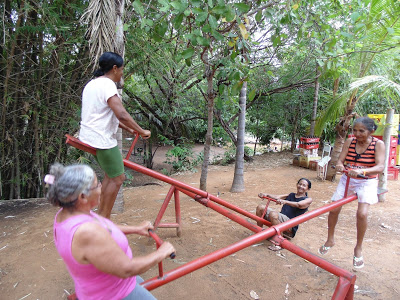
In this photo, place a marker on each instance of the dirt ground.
(30, 267)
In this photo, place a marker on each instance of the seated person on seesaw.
(294, 204)
(95, 250)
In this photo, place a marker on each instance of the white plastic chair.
(323, 162)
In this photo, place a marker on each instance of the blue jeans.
(139, 292)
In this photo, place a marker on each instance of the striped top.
(366, 159)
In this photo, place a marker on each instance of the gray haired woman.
(94, 249)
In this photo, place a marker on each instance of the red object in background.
(393, 174)
(393, 140)
(392, 151)
(309, 140)
(392, 161)
(310, 146)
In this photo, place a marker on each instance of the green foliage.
(182, 158)
(248, 151)
(275, 49)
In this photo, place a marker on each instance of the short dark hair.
(107, 61)
(367, 122)
(308, 181)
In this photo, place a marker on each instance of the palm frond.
(334, 111)
(100, 17)
(375, 82)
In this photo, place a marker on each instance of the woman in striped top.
(361, 155)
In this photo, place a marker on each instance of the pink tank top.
(90, 283)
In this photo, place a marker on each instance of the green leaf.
(354, 16)
(252, 94)
(177, 22)
(138, 7)
(126, 27)
(221, 89)
(219, 10)
(219, 104)
(188, 53)
(308, 24)
(148, 22)
(259, 16)
(276, 41)
(201, 17)
(160, 31)
(203, 41)
(230, 15)
(237, 87)
(234, 54)
(188, 62)
(213, 22)
(242, 7)
(345, 34)
(179, 6)
(164, 2)
(359, 26)
(206, 28)
(217, 35)
(197, 3)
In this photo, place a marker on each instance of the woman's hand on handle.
(166, 249)
(144, 228)
(145, 134)
(339, 168)
(355, 173)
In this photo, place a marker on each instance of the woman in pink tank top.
(94, 249)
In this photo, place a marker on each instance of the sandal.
(358, 262)
(323, 249)
(274, 248)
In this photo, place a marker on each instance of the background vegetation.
(186, 63)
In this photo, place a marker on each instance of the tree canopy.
(186, 62)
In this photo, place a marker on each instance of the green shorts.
(110, 160)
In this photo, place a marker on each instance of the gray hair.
(368, 123)
(69, 183)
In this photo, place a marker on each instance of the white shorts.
(366, 189)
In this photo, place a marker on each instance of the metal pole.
(386, 139)
(164, 206)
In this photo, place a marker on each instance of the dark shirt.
(292, 212)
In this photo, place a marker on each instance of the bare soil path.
(30, 267)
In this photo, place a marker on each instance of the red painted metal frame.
(345, 285)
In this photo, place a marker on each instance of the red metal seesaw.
(345, 285)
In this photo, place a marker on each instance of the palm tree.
(105, 33)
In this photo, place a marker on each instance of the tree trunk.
(341, 132)
(120, 49)
(228, 130)
(386, 138)
(315, 102)
(294, 132)
(238, 179)
(210, 119)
